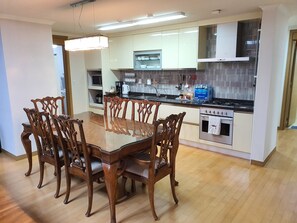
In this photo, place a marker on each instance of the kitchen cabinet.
(188, 48)
(93, 59)
(170, 49)
(242, 131)
(190, 127)
(121, 52)
(147, 41)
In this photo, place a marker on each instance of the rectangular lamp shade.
(86, 43)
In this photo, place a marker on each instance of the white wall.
(269, 89)
(27, 72)
(78, 82)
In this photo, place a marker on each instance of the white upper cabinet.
(93, 59)
(170, 49)
(147, 41)
(121, 52)
(179, 48)
(188, 48)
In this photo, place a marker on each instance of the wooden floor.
(212, 188)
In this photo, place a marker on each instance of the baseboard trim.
(260, 163)
(20, 157)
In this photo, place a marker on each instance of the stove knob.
(222, 113)
(218, 113)
(213, 112)
(205, 111)
(226, 113)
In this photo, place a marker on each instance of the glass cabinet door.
(148, 60)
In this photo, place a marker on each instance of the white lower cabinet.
(190, 127)
(189, 132)
(242, 132)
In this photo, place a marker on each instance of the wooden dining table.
(112, 139)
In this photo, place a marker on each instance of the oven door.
(226, 133)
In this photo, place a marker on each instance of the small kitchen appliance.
(119, 85)
(125, 89)
(203, 92)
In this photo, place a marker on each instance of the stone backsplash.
(231, 80)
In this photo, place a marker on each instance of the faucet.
(157, 92)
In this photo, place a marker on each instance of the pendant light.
(86, 43)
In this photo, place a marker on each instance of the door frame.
(59, 40)
(287, 94)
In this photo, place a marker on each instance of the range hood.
(227, 46)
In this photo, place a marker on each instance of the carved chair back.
(144, 110)
(115, 106)
(72, 140)
(52, 105)
(43, 133)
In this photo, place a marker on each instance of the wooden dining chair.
(47, 146)
(144, 110)
(151, 167)
(115, 106)
(77, 158)
(52, 105)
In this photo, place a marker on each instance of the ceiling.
(84, 20)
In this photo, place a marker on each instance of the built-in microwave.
(96, 80)
(148, 60)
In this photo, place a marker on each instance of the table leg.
(27, 145)
(110, 176)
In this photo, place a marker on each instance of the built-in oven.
(225, 117)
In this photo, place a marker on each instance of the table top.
(113, 134)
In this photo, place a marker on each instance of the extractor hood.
(227, 46)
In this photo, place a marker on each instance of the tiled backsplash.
(232, 80)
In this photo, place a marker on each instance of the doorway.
(289, 107)
(62, 68)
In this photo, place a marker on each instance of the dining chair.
(47, 145)
(144, 110)
(77, 157)
(52, 105)
(115, 106)
(151, 167)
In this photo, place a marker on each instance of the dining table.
(112, 140)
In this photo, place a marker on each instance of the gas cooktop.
(229, 103)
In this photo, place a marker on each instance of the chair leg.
(68, 185)
(151, 197)
(41, 172)
(123, 186)
(173, 184)
(90, 198)
(58, 171)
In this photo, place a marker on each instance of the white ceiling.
(83, 20)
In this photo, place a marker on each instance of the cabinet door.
(242, 132)
(192, 114)
(93, 59)
(189, 132)
(147, 41)
(188, 48)
(121, 53)
(170, 49)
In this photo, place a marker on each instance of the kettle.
(125, 88)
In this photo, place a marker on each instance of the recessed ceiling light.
(144, 21)
(216, 12)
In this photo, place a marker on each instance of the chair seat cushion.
(96, 165)
(134, 167)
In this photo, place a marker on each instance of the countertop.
(237, 105)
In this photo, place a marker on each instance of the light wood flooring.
(212, 188)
